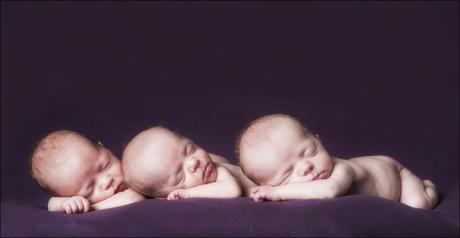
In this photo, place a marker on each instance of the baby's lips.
(121, 187)
(207, 171)
(323, 175)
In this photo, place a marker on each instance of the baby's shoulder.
(224, 172)
(217, 158)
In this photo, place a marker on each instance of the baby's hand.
(177, 194)
(262, 193)
(75, 204)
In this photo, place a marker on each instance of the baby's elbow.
(134, 197)
(331, 193)
(335, 190)
(235, 190)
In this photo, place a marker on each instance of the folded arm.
(125, 197)
(225, 186)
(336, 185)
(69, 205)
(79, 204)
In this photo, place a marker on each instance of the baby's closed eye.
(309, 151)
(107, 165)
(190, 149)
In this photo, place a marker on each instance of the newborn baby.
(288, 162)
(82, 175)
(160, 163)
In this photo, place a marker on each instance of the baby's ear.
(317, 136)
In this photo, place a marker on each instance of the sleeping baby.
(160, 163)
(81, 174)
(288, 162)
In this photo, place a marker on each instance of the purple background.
(370, 78)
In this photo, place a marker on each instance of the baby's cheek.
(327, 163)
(117, 170)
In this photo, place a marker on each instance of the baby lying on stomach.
(160, 163)
(288, 162)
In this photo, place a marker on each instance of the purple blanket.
(345, 216)
(368, 77)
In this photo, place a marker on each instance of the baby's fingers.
(85, 205)
(74, 207)
(68, 209)
(80, 207)
(258, 197)
(172, 196)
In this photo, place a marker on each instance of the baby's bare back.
(376, 175)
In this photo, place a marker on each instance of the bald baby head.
(140, 156)
(52, 153)
(261, 138)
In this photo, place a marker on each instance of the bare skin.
(90, 178)
(173, 167)
(293, 164)
(224, 186)
(245, 183)
(80, 204)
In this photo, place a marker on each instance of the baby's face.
(174, 162)
(290, 156)
(89, 170)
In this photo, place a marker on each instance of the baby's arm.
(75, 204)
(337, 184)
(225, 186)
(79, 204)
(125, 197)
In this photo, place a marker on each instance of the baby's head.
(277, 149)
(157, 161)
(66, 163)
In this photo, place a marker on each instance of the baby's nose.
(107, 181)
(193, 164)
(308, 167)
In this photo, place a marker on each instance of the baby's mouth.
(320, 175)
(121, 186)
(207, 171)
